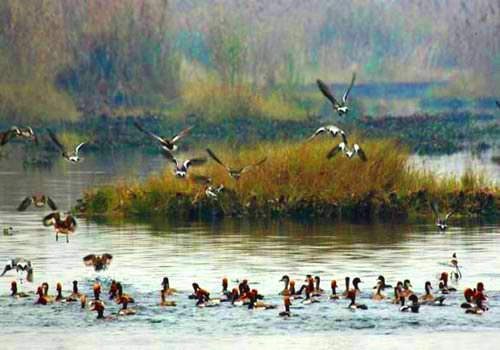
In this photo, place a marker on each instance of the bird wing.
(360, 152)
(89, 260)
(435, 208)
(181, 134)
(56, 141)
(49, 219)
(318, 132)
(7, 267)
(25, 204)
(156, 137)
(194, 162)
(333, 152)
(344, 137)
(77, 149)
(107, 258)
(166, 153)
(51, 203)
(451, 213)
(201, 180)
(344, 98)
(215, 158)
(249, 167)
(6, 136)
(70, 220)
(325, 90)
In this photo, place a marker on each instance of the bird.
(211, 191)
(414, 307)
(429, 299)
(14, 131)
(441, 223)
(8, 231)
(235, 173)
(454, 263)
(71, 157)
(378, 293)
(166, 287)
(339, 107)
(166, 143)
(351, 295)
(287, 302)
(332, 129)
(99, 262)
(349, 153)
(15, 292)
(19, 264)
(181, 170)
(39, 200)
(65, 227)
(381, 283)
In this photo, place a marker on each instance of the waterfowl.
(338, 106)
(59, 296)
(295, 294)
(457, 274)
(406, 291)
(19, 264)
(349, 153)
(352, 305)
(479, 308)
(97, 291)
(317, 289)
(38, 200)
(378, 293)
(428, 298)
(71, 157)
(333, 286)
(168, 144)
(211, 191)
(42, 300)
(285, 279)
(45, 288)
(166, 287)
(75, 295)
(181, 169)
(347, 285)
(234, 173)
(414, 307)
(309, 299)
(99, 308)
(122, 295)
(443, 285)
(257, 304)
(243, 287)
(199, 293)
(332, 130)
(287, 302)
(24, 132)
(65, 227)
(381, 283)
(397, 293)
(124, 301)
(355, 282)
(15, 292)
(113, 290)
(8, 231)
(441, 222)
(99, 262)
(469, 296)
(164, 301)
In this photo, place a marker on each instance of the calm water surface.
(260, 251)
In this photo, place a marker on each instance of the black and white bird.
(20, 264)
(168, 144)
(14, 131)
(69, 156)
(181, 169)
(234, 173)
(211, 191)
(38, 200)
(99, 262)
(332, 130)
(338, 106)
(441, 222)
(349, 153)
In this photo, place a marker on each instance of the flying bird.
(19, 264)
(339, 107)
(349, 153)
(99, 262)
(441, 223)
(181, 169)
(39, 200)
(168, 144)
(69, 156)
(234, 173)
(332, 130)
(65, 227)
(14, 131)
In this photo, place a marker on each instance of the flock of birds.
(310, 292)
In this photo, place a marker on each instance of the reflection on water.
(260, 251)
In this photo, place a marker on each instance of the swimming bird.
(286, 280)
(332, 130)
(118, 299)
(457, 274)
(71, 157)
(338, 106)
(378, 293)
(65, 227)
(347, 285)
(441, 223)
(235, 173)
(352, 305)
(181, 169)
(75, 295)
(349, 153)
(317, 289)
(99, 262)
(397, 293)
(38, 200)
(15, 292)
(287, 302)
(443, 285)
(166, 287)
(20, 264)
(414, 307)
(406, 291)
(258, 304)
(429, 299)
(333, 286)
(168, 144)
(164, 301)
(355, 282)
(45, 288)
(99, 308)
(381, 283)
(24, 132)
(59, 296)
(42, 300)
(479, 308)
(469, 296)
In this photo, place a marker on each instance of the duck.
(99, 262)
(211, 191)
(479, 308)
(65, 227)
(355, 282)
(443, 285)
(309, 299)
(168, 144)
(71, 157)
(378, 293)
(287, 302)
(397, 293)
(20, 264)
(441, 222)
(317, 289)
(334, 295)
(235, 173)
(14, 131)
(42, 300)
(8, 231)
(164, 301)
(166, 287)
(347, 286)
(332, 130)
(59, 296)
(286, 280)
(350, 153)
(129, 299)
(469, 296)
(352, 305)
(256, 304)
(225, 294)
(338, 106)
(97, 291)
(457, 274)
(181, 169)
(15, 293)
(113, 290)
(414, 307)
(75, 295)
(45, 288)
(406, 291)
(428, 298)
(99, 308)
(381, 283)
(124, 300)
(38, 200)
(199, 293)
(295, 294)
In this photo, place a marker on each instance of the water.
(260, 251)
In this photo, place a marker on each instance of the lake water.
(260, 251)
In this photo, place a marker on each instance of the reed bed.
(298, 180)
